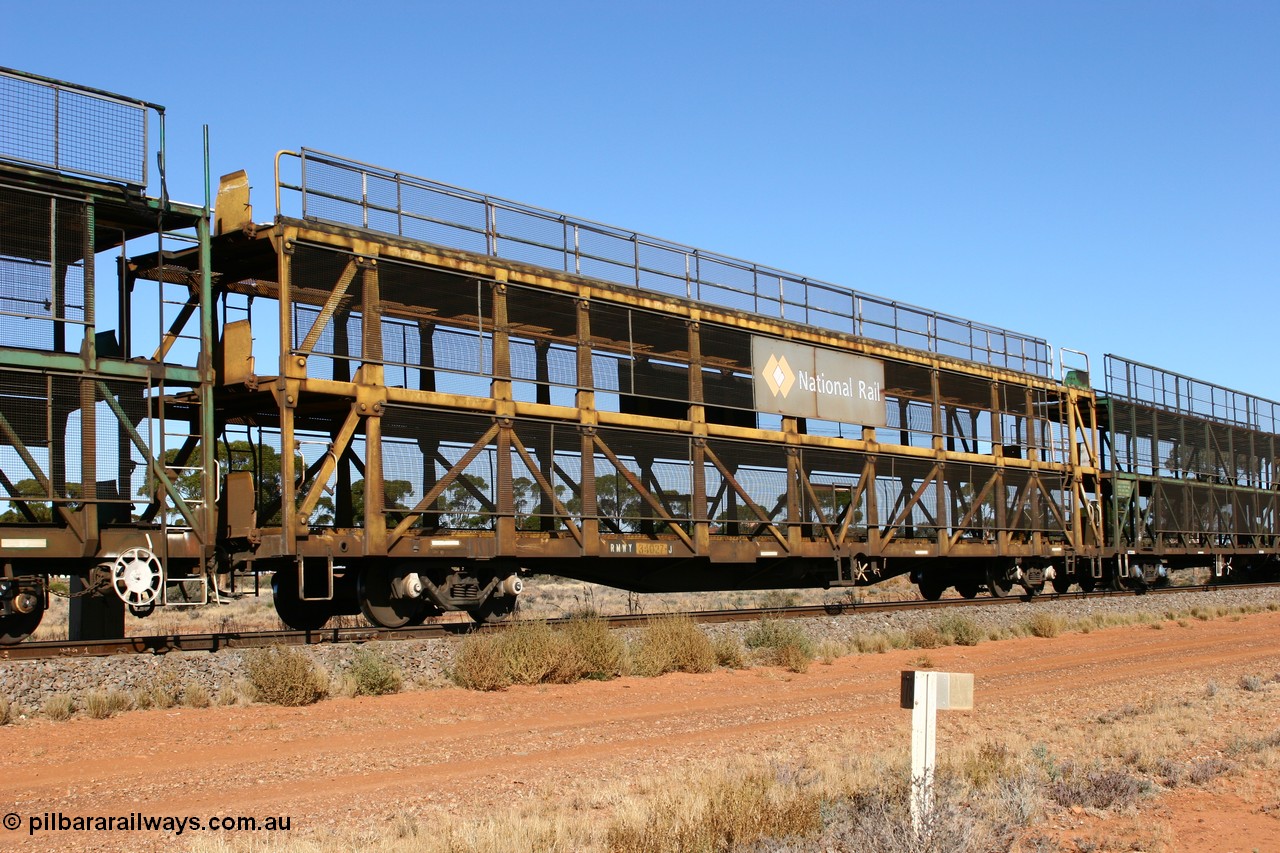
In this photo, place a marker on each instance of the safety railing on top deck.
(1143, 384)
(345, 192)
(75, 129)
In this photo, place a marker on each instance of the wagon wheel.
(16, 627)
(373, 589)
(932, 589)
(496, 608)
(137, 577)
(293, 611)
(998, 584)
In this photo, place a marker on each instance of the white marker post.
(926, 693)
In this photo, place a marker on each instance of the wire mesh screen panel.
(754, 473)
(25, 448)
(69, 129)
(833, 480)
(43, 271)
(61, 440)
(659, 464)
(1158, 443)
(421, 447)
(543, 343)
(326, 295)
(344, 191)
(437, 329)
(554, 477)
(907, 498)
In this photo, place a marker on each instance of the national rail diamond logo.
(779, 376)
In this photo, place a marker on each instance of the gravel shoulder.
(442, 755)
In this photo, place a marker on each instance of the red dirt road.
(433, 754)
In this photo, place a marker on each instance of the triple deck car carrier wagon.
(399, 397)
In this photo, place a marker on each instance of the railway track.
(162, 644)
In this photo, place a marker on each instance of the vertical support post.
(697, 448)
(586, 400)
(371, 374)
(924, 730)
(207, 427)
(925, 693)
(286, 400)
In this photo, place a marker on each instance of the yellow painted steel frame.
(1013, 487)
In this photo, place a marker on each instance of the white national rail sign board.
(811, 382)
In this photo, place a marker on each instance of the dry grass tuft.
(927, 637)
(597, 653)
(1095, 787)
(1045, 625)
(729, 653)
(672, 644)
(960, 630)
(100, 704)
(58, 708)
(284, 676)
(534, 653)
(196, 695)
(727, 814)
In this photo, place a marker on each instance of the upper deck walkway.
(333, 189)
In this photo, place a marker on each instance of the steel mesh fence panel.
(455, 217)
(420, 446)
(71, 130)
(660, 463)
(42, 271)
(760, 471)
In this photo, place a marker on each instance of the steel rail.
(162, 644)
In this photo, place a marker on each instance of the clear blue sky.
(1100, 174)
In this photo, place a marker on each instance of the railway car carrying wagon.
(466, 389)
(399, 397)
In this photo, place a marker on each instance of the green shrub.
(599, 653)
(372, 675)
(284, 676)
(960, 630)
(729, 652)
(673, 644)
